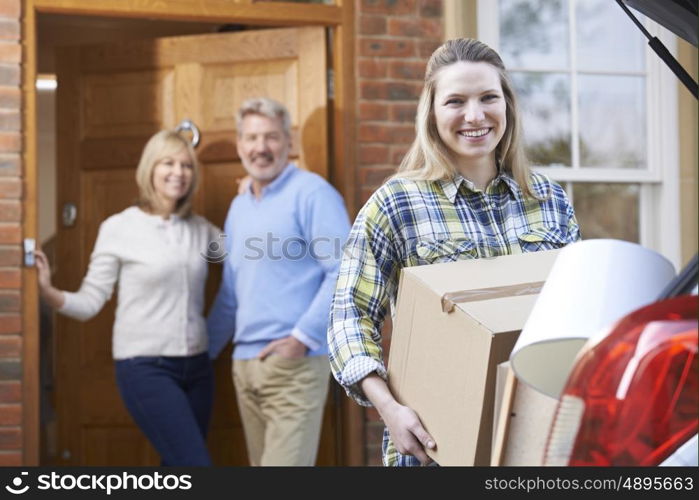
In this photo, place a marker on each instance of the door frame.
(342, 174)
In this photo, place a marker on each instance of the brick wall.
(10, 234)
(394, 40)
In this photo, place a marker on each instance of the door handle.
(69, 214)
(188, 124)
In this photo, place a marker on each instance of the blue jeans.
(170, 399)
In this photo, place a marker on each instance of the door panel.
(110, 100)
(124, 104)
(111, 443)
(227, 86)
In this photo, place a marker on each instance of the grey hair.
(266, 107)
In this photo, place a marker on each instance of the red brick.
(9, 301)
(10, 346)
(10, 459)
(9, 165)
(10, 187)
(10, 211)
(373, 90)
(10, 52)
(10, 97)
(378, 47)
(432, 28)
(10, 8)
(426, 47)
(9, 74)
(369, 111)
(407, 70)
(10, 438)
(10, 415)
(431, 8)
(404, 113)
(365, 194)
(393, 91)
(9, 29)
(10, 142)
(387, 134)
(10, 369)
(372, 25)
(388, 7)
(374, 133)
(398, 153)
(10, 278)
(404, 91)
(10, 256)
(369, 68)
(9, 120)
(10, 233)
(372, 177)
(415, 27)
(10, 392)
(404, 27)
(9, 324)
(373, 154)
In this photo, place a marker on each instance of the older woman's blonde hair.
(161, 145)
(428, 157)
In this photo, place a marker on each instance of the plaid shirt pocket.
(426, 251)
(542, 238)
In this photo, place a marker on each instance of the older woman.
(156, 252)
(463, 191)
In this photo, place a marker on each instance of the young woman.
(463, 191)
(156, 252)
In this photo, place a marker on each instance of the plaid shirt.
(412, 223)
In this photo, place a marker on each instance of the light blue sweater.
(284, 251)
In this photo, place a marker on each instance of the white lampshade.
(592, 284)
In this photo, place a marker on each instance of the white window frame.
(659, 193)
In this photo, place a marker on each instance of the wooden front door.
(110, 100)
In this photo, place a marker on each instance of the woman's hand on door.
(52, 295)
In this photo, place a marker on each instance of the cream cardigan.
(161, 269)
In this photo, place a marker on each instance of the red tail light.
(632, 398)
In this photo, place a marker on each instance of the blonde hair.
(266, 107)
(162, 144)
(428, 157)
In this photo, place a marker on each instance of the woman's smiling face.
(172, 176)
(469, 109)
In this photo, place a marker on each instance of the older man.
(284, 237)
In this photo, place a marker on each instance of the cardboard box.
(523, 419)
(454, 323)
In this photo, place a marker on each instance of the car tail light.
(633, 397)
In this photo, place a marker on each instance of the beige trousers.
(281, 403)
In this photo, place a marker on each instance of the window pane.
(607, 210)
(612, 121)
(606, 39)
(534, 33)
(545, 103)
